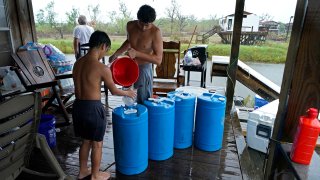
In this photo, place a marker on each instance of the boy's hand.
(131, 93)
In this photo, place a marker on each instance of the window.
(229, 24)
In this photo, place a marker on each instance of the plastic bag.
(30, 46)
(57, 59)
(191, 61)
(9, 80)
(53, 53)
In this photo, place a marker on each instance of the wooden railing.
(247, 38)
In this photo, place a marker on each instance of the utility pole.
(288, 28)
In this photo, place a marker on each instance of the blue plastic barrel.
(130, 137)
(184, 118)
(209, 124)
(161, 127)
(47, 128)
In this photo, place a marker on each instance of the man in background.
(81, 35)
(144, 44)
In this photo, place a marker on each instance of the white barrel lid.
(196, 91)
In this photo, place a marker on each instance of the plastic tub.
(259, 102)
(47, 128)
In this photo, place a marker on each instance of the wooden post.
(235, 46)
(305, 86)
(192, 36)
(32, 22)
(26, 20)
(300, 84)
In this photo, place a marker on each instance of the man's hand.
(132, 53)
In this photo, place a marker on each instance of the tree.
(113, 25)
(94, 12)
(182, 21)
(40, 17)
(72, 16)
(265, 17)
(124, 10)
(214, 20)
(51, 17)
(121, 21)
(171, 13)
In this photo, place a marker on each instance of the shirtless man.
(144, 44)
(88, 114)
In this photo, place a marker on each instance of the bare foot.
(84, 174)
(102, 176)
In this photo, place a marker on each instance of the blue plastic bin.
(47, 128)
(259, 102)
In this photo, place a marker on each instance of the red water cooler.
(306, 137)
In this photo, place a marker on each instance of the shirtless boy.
(88, 114)
(144, 44)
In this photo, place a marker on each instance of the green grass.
(65, 45)
(269, 52)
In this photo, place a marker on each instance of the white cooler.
(260, 126)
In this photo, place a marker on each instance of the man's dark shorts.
(89, 119)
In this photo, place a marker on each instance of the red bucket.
(125, 71)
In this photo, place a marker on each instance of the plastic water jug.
(184, 118)
(306, 137)
(161, 127)
(209, 124)
(130, 137)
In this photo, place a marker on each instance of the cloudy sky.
(280, 10)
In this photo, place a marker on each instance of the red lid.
(312, 113)
(125, 71)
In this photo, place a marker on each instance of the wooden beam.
(13, 23)
(257, 86)
(32, 22)
(288, 78)
(24, 21)
(235, 46)
(248, 77)
(305, 86)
